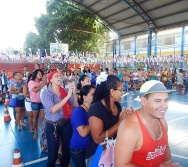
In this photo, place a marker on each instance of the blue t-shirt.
(79, 118)
(93, 79)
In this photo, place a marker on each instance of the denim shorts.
(20, 103)
(135, 81)
(36, 106)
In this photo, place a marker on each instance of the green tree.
(68, 23)
(31, 41)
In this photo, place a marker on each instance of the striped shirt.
(49, 99)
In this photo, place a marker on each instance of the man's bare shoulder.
(130, 122)
(129, 132)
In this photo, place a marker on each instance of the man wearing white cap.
(142, 139)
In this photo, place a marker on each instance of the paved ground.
(177, 118)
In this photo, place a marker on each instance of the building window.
(168, 41)
(178, 40)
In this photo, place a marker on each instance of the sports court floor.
(11, 139)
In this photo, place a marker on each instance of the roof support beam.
(123, 10)
(96, 2)
(108, 6)
(141, 12)
(158, 18)
(159, 7)
(172, 14)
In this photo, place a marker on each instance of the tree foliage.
(68, 23)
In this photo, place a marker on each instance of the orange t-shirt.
(152, 152)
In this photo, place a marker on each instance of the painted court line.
(35, 161)
(179, 156)
(177, 119)
(125, 94)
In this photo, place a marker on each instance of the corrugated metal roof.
(134, 17)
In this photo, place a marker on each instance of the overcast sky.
(17, 19)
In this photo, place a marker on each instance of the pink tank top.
(152, 152)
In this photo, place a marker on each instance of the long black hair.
(79, 84)
(29, 77)
(84, 92)
(34, 76)
(102, 91)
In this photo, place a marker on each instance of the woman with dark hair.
(9, 84)
(68, 78)
(16, 89)
(36, 66)
(105, 113)
(80, 125)
(75, 77)
(83, 80)
(179, 81)
(35, 85)
(28, 103)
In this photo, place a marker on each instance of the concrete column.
(155, 46)
(182, 45)
(135, 40)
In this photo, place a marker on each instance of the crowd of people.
(79, 107)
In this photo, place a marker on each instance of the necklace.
(150, 130)
(85, 107)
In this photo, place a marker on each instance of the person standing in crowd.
(186, 84)
(153, 75)
(57, 118)
(9, 84)
(169, 82)
(80, 72)
(93, 76)
(83, 80)
(80, 125)
(126, 78)
(107, 71)
(35, 85)
(36, 67)
(140, 77)
(179, 81)
(104, 113)
(4, 81)
(148, 145)
(135, 79)
(120, 74)
(165, 76)
(75, 77)
(28, 103)
(25, 73)
(16, 89)
(67, 79)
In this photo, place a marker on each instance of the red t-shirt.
(152, 152)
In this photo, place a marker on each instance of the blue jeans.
(126, 85)
(64, 133)
(78, 156)
(168, 84)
